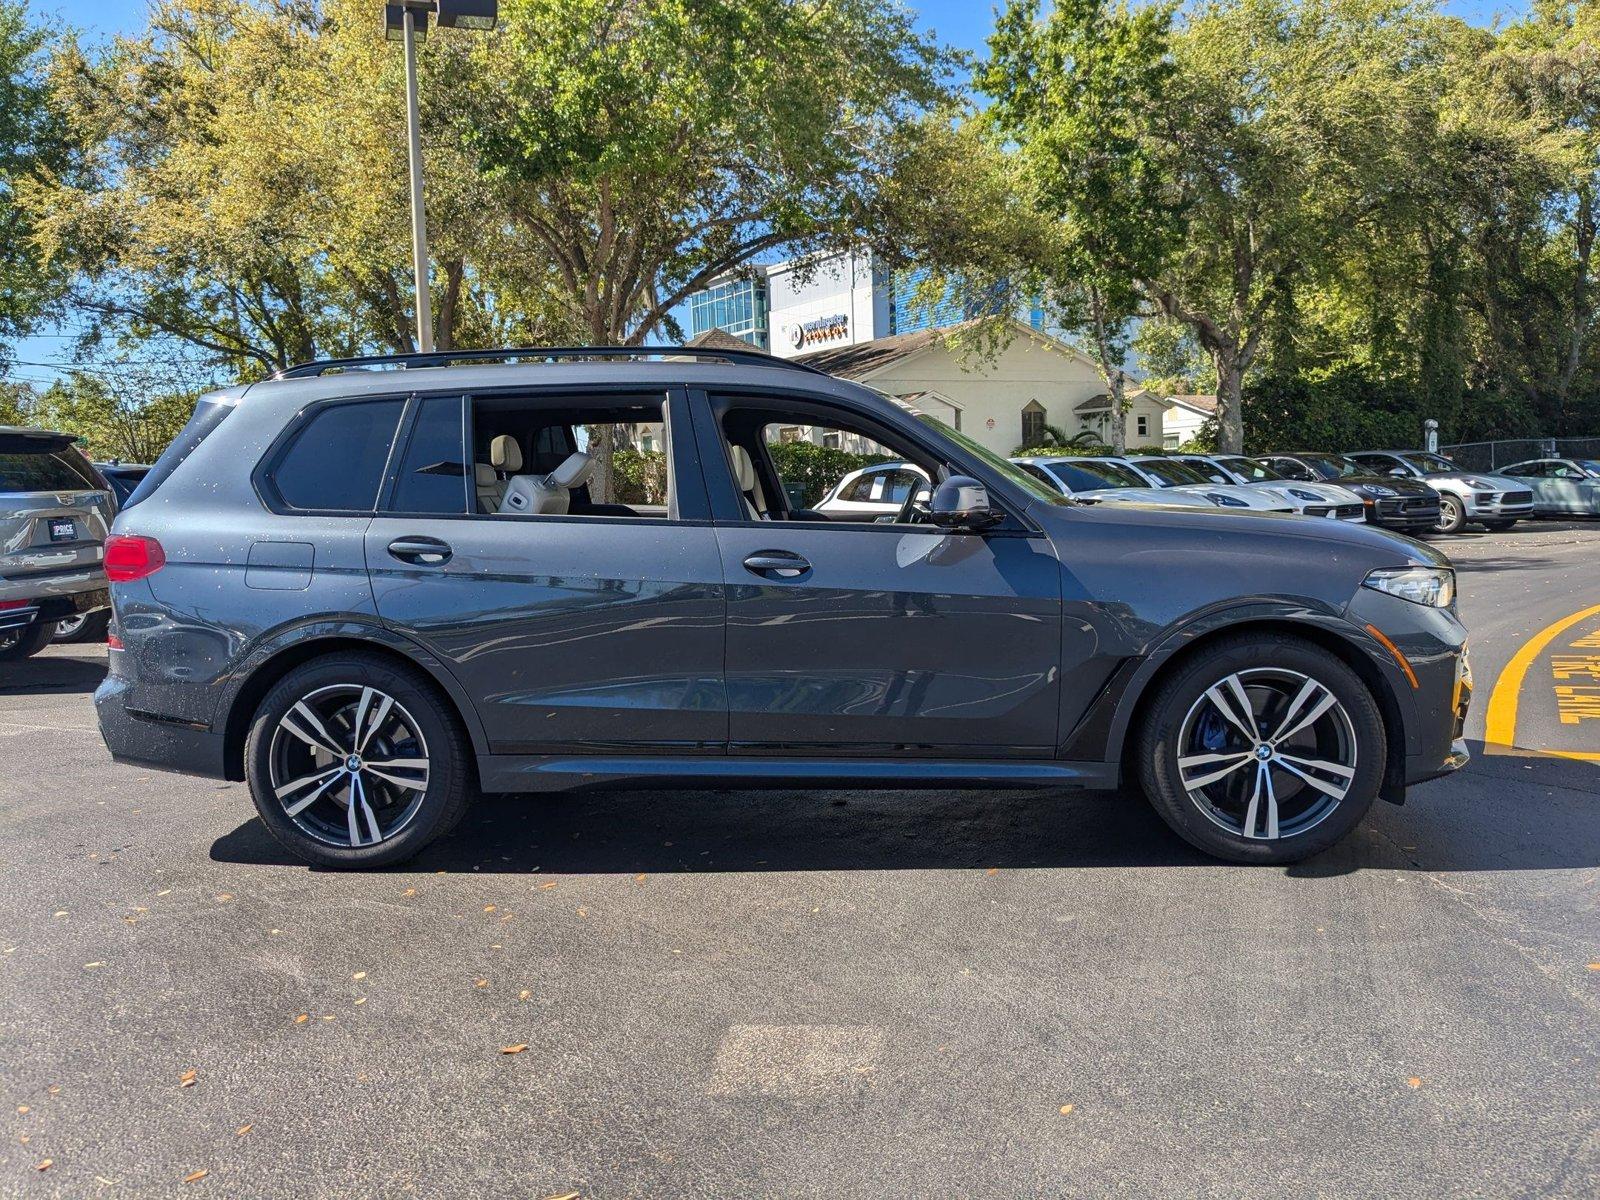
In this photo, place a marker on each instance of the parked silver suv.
(55, 510)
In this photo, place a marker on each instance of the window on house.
(1033, 424)
(1144, 426)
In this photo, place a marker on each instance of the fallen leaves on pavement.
(517, 1049)
(187, 1079)
(196, 1176)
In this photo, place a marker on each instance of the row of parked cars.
(1408, 490)
(55, 510)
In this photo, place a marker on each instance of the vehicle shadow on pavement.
(58, 674)
(1472, 821)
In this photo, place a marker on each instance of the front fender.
(1102, 734)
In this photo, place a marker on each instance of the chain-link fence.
(1490, 456)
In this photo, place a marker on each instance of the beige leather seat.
(744, 474)
(547, 495)
(505, 458)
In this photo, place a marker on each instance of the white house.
(1184, 416)
(1143, 424)
(1002, 400)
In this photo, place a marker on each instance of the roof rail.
(446, 358)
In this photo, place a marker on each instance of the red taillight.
(113, 642)
(5, 604)
(130, 557)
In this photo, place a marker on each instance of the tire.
(1291, 819)
(406, 807)
(1452, 514)
(85, 627)
(18, 644)
(1499, 526)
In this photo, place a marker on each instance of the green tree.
(129, 415)
(1079, 93)
(30, 147)
(647, 149)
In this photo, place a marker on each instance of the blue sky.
(964, 23)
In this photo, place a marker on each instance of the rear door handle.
(424, 551)
(783, 563)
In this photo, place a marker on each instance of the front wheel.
(1262, 749)
(356, 761)
(1452, 515)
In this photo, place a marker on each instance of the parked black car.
(123, 477)
(371, 592)
(1404, 504)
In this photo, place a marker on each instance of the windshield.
(1334, 466)
(1170, 474)
(1249, 468)
(1590, 466)
(1092, 475)
(1014, 473)
(1431, 464)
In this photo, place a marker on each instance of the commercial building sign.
(823, 329)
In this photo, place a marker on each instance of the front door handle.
(424, 551)
(783, 563)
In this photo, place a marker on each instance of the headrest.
(574, 470)
(505, 454)
(744, 468)
(483, 474)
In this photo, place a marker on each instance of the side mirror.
(961, 502)
(1398, 472)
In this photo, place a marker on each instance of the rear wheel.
(83, 627)
(355, 761)
(1452, 516)
(18, 644)
(1262, 749)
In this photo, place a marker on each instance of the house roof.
(866, 358)
(1093, 404)
(1206, 406)
(719, 339)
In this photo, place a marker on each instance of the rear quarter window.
(334, 460)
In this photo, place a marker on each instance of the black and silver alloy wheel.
(355, 760)
(1452, 515)
(1267, 753)
(349, 765)
(1262, 748)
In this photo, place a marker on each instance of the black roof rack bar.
(445, 358)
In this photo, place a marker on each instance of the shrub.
(639, 476)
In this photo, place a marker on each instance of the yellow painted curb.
(1500, 720)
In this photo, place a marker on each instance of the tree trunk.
(1110, 372)
(1230, 415)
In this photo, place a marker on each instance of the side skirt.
(557, 773)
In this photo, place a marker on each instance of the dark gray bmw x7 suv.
(370, 588)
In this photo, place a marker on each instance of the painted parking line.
(1572, 676)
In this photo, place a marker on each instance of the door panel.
(567, 632)
(901, 640)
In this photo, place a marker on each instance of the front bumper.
(1500, 506)
(1405, 512)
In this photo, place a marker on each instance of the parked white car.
(1105, 480)
(1308, 499)
(1164, 472)
(1562, 487)
(1493, 501)
(880, 490)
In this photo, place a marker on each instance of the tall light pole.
(407, 22)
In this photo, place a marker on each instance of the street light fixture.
(408, 22)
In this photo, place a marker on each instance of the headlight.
(1478, 485)
(1226, 501)
(1373, 489)
(1302, 494)
(1432, 586)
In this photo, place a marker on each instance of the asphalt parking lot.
(821, 994)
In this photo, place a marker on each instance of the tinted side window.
(336, 459)
(433, 472)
